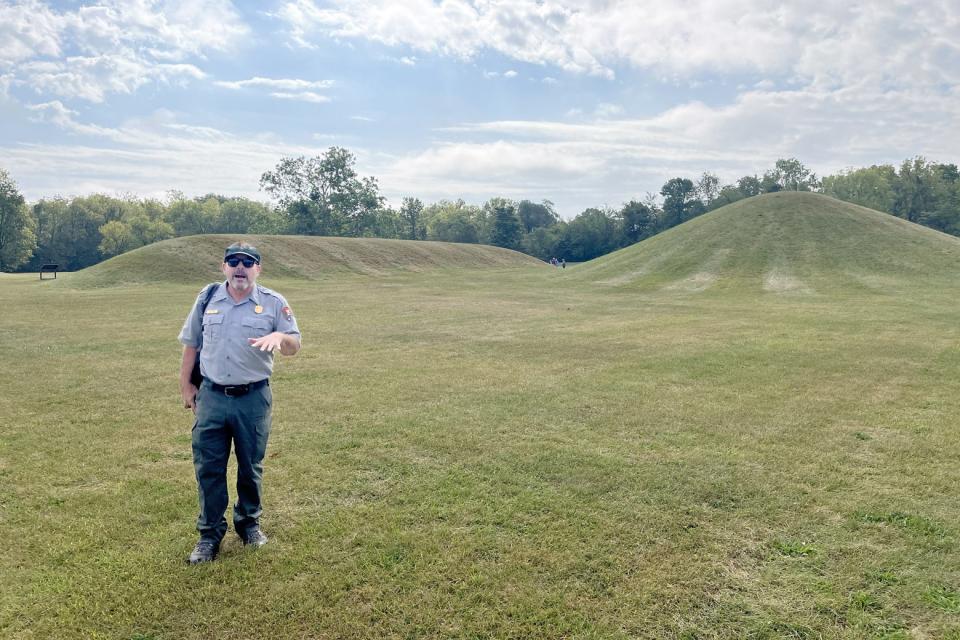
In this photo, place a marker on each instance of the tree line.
(324, 195)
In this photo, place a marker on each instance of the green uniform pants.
(220, 421)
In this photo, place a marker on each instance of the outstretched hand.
(270, 342)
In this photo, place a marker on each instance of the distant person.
(563, 263)
(238, 332)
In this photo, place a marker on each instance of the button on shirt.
(226, 356)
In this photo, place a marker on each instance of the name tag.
(211, 312)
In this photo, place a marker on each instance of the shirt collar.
(221, 294)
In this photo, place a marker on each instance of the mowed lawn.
(495, 454)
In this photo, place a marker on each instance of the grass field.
(745, 427)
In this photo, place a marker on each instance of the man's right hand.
(189, 394)
(187, 391)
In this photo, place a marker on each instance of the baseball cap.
(242, 249)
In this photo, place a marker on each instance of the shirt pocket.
(212, 327)
(256, 327)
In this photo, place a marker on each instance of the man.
(242, 326)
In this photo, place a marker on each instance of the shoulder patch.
(287, 313)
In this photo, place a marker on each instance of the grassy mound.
(509, 452)
(198, 258)
(785, 243)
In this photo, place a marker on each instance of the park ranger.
(238, 332)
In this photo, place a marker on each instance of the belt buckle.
(236, 390)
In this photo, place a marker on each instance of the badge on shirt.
(211, 312)
(287, 313)
(258, 309)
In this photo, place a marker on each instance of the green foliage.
(679, 196)
(547, 242)
(454, 221)
(591, 234)
(749, 186)
(707, 188)
(17, 238)
(536, 215)
(792, 175)
(77, 244)
(412, 215)
(240, 215)
(384, 222)
(505, 228)
(637, 221)
(324, 195)
(48, 217)
(189, 217)
(116, 238)
(870, 187)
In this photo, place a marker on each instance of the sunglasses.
(247, 262)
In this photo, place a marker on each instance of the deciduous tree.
(324, 195)
(411, 212)
(534, 215)
(17, 239)
(792, 175)
(637, 221)
(678, 193)
(505, 228)
(454, 221)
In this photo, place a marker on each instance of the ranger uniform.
(234, 401)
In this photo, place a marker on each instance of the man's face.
(241, 277)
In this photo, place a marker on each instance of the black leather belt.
(236, 390)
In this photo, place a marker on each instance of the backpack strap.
(207, 295)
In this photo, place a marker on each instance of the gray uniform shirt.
(226, 356)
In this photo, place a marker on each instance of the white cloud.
(115, 46)
(489, 75)
(288, 88)
(302, 96)
(840, 42)
(27, 30)
(172, 30)
(575, 164)
(835, 85)
(58, 114)
(287, 84)
(611, 160)
(93, 78)
(144, 156)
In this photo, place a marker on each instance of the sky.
(585, 103)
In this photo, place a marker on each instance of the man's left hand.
(270, 342)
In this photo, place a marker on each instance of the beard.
(241, 283)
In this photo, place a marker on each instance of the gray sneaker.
(205, 551)
(254, 537)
